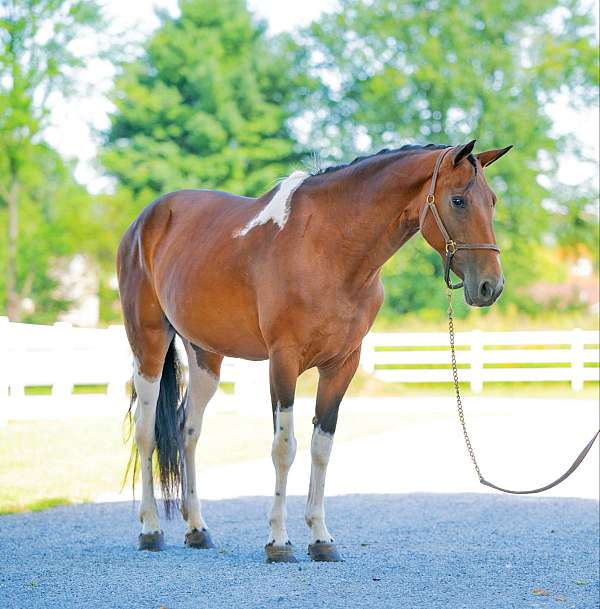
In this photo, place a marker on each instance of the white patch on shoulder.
(278, 208)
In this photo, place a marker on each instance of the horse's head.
(457, 217)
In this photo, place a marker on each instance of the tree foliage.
(37, 59)
(207, 105)
(211, 99)
(444, 71)
(55, 222)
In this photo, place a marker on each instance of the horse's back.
(195, 211)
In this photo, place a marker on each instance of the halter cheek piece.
(451, 246)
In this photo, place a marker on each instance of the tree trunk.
(13, 300)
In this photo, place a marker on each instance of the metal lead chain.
(459, 406)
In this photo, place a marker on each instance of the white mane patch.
(278, 208)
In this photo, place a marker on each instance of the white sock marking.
(278, 208)
(145, 414)
(202, 386)
(314, 515)
(283, 453)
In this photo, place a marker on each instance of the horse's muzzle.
(484, 292)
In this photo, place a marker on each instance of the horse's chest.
(337, 326)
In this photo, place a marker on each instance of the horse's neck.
(378, 213)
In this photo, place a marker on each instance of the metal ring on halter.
(451, 247)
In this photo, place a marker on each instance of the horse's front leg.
(283, 372)
(333, 383)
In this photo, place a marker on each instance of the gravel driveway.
(413, 550)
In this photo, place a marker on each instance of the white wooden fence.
(61, 357)
(484, 357)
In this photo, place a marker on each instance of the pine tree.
(206, 106)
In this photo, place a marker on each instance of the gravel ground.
(433, 551)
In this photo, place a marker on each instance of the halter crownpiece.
(450, 246)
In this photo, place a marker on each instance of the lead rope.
(461, 417)
(459, 406)
(451, 248)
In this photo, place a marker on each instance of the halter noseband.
(451, 246)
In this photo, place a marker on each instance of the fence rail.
(484, 357)
(61, 356)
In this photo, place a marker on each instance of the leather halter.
(451, 246)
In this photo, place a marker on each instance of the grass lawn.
(48, 463)
(364, 385)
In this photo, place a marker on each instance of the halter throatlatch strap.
(451, 246)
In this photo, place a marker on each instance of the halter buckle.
(430, 198)
(451, 247)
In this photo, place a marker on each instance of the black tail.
(167, 431)
(170, 419)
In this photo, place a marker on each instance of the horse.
(292, 276)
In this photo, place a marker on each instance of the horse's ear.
(463, 151)
(489, 156)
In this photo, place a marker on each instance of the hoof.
(324, 552)
(280, 553)
(199, 539)
(154, 542)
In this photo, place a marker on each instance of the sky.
(76, 124)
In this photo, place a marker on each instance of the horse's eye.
(458, 201)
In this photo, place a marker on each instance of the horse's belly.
(217, 318)
(225, 339)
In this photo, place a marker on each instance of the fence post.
(577, 346)
(476, 355)
(4, 381)
(15, 363)
(367, 354)
(63, 382)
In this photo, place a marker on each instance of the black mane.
(383, 152)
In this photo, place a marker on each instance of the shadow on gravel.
(416, 550)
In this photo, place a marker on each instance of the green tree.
(207, 105)
(446, 71)
(37, 58)
(55, 214)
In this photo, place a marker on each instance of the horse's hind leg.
(150, 336)
(151, 348)
(204, 370)
(333, 383)
(151, 537)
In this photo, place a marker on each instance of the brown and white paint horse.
(293, 276)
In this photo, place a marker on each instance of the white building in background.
(78, 282)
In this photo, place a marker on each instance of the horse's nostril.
(485, 289)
